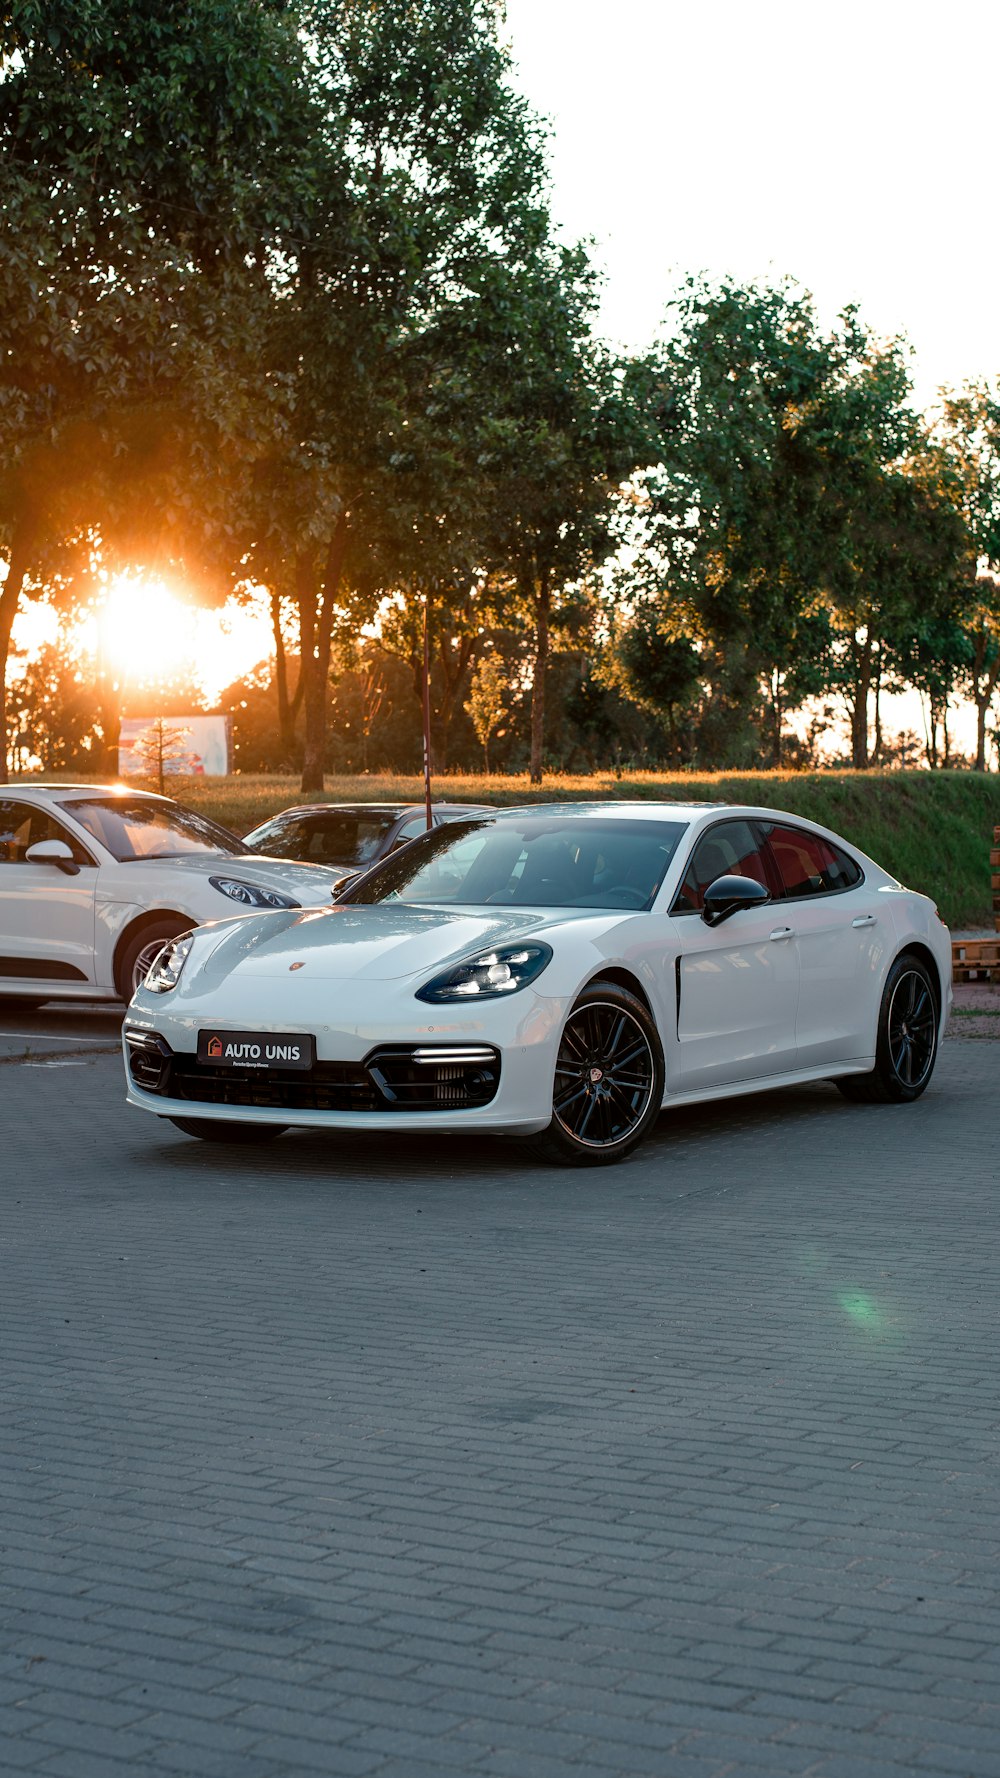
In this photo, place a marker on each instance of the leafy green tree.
(151, 162)
(799, 520)
(427, 167)
(487, 704)
(969, 435)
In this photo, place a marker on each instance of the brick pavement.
(384, 1458)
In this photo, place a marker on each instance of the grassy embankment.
(931, 829)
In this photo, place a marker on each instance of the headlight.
(167, 965)
(251, 895)
(495, 972)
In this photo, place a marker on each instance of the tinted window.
(411, 830)
(133, 829)
(25, 824)
(323, 839)
(730, 849)
(808, 864)
(529, 862)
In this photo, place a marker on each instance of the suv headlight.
(251, 895)
(167, 965)
(495, 972)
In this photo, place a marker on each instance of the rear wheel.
(608, 1085)
(906, 1046)
(216, 1129)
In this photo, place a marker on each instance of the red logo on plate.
(215, 1046)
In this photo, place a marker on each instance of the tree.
(151, 162)
(427, 166)
(968, 431)
(162, 745)
(565, 432)
(798, 514)
(487, 704)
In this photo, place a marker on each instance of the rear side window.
(807, 864)
(730, 849)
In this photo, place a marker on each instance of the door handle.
(865, 920)
(782, 932)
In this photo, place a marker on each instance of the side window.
(729, 849)
(25, 824)
(410, 830)
(807, 864)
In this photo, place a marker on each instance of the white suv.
(95, 880)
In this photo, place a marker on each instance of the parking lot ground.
(406, 1458)
(53, 1029)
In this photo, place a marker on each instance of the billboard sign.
(192, 746)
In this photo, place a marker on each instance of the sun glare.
(144, 633)
(146, 637)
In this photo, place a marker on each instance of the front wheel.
(216, 1129)
(608, 1085)
(136, 957)
(907, 1041)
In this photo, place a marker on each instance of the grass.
(933, 830)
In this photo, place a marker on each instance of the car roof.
(82, 790)
(367, 809)
(630, 811)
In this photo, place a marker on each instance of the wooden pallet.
(975, 960)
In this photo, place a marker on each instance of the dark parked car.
(348, 836)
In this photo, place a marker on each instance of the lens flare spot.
(862, 1310)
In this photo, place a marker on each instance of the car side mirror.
(53, 852)
(730, 895)
(343, 883)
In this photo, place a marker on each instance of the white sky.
(854, 146)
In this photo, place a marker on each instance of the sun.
(145, 636)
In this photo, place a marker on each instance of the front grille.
(407, 1078)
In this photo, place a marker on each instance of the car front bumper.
(349, 1079)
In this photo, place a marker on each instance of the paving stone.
(390, 1457)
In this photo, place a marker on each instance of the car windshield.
(341, 838)
(134, 828)
(544, 861)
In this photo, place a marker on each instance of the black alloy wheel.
(608, 1085)
(907, 1041)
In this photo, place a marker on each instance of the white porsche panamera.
(560, 973)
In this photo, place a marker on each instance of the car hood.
(310, 883)
(343, 943)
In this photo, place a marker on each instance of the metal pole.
(427, 712)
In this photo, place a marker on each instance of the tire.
(608, 1086)
(907, 1042)
(216, 1129)
(137, 953)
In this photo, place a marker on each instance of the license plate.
(265, 1050)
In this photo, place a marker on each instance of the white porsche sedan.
(95, 879)
(559, 973)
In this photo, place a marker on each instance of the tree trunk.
(10, 594)
(288, 706)
(984, 684)
(454, 665)
(862, 654)
(777, 719)
(315, 663)
(542, 609)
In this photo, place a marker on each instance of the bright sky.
(851, 145)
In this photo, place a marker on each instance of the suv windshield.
(544, 861)
(133, 828)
